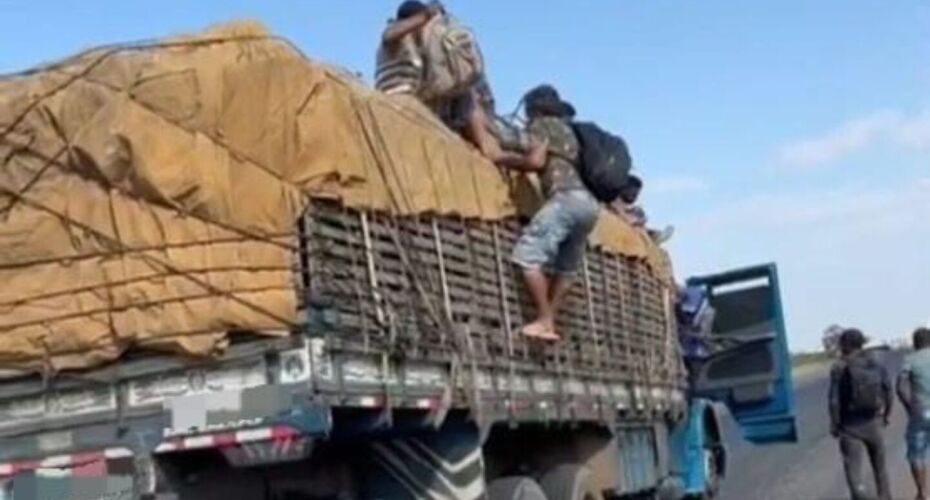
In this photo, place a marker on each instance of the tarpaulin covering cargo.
(149, 193)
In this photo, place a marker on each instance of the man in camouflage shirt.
(552, 246)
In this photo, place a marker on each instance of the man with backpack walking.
(860, 407)
(582, 167)
(914, 393)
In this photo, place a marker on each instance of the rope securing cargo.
(150, 193)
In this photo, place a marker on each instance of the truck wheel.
(711, 474)
(515, 488)
(569, 482)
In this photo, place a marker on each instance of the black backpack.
(864, 387)
(604, 164)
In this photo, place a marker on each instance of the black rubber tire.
(515, 488)
(713, 478)
(569, 482)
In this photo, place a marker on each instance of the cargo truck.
(382, 397)
(404, 374)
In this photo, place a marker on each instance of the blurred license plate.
(213, 412)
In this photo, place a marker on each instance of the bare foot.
(541, 330)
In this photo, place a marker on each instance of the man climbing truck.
(233, 273)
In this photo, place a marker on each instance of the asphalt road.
(810, 469)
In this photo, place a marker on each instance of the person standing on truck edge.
(552, 245)
(860, 407)
(399, 67)
(417, 53)
(695, 317)
(914, 392)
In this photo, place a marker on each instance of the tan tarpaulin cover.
(148, 195)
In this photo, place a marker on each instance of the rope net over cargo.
(150, 193)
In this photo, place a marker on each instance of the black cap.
(545, 99)
(410, 8)
(921, 338)
(852, 339)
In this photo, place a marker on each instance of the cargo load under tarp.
(149, 193)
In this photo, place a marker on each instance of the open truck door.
(748, 367)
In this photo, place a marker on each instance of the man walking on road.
(860, 407)
(914, 392)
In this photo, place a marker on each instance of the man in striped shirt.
(401, 68)
(400, 61)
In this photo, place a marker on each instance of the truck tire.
(569, 482)
(712, 477)
(515, 488)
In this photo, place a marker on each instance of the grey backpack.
(453, 59)
(864, 383)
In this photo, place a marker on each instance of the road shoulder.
(812, 371)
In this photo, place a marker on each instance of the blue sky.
(789, 131)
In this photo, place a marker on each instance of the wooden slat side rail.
(389, 277)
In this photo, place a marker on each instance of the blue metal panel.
(688, 443)
(772, 419)
(784, 424)
(309, 419)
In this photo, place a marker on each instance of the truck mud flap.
(638, 460)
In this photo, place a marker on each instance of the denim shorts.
(555, 239)
(918, 440)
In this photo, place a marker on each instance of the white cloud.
(914, 132)
(846, 206)
(854, 254)
(675, 185)
(908, 130)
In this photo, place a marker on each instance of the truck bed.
(418, 313)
